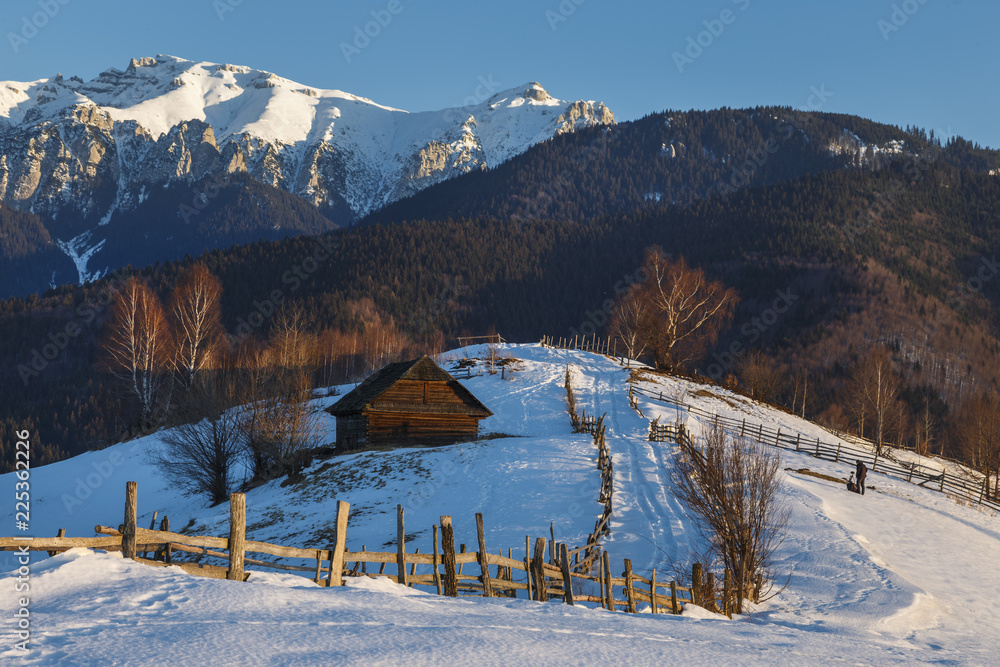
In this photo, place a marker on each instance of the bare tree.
(137, 344)
(689, 308)
(881, 389)
(279, 424)
(632, 322)
(761, 376)
(732, 484)
(194, 313)
(979, 433)
(925, 430)
(201, 456)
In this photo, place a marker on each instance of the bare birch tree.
(137, 344)
(194, 314)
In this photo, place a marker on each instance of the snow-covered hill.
(84, 151)
(902, 575)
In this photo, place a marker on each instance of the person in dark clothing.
(861, 471)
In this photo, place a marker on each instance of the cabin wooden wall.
(417, 393)
(395, 426)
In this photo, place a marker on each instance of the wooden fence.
(543, 578)
(583, 424)
(966, 488)
(608, 346)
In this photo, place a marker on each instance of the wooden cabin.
(410, 402)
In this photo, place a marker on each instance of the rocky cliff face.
(80, 153)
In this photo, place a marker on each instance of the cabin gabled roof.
(423, 369)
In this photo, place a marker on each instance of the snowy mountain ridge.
(82, 151)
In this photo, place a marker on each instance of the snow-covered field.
(901, 575)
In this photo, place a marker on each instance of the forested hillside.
(676, 158)
(892, 257)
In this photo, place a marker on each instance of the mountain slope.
(675, 158)
(78, 153)
(871, 579)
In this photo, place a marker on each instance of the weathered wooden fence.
(591, 551)
(966, 488)
(608, 346)
(542, 577)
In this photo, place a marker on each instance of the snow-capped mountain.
(81, 152)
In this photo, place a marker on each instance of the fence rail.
(966, 488)
(557, 575)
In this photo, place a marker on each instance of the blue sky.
(932, 63)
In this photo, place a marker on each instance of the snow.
(240, 100)
(901, 575)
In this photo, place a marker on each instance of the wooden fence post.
(696, 577)
(608, 589)
(673, 598)
(483, 563)
(61, 533)
(152, 526)
(448, 556)
(128, 531)
(777, 437)
(943, 473)
(437, 562)
(400, 545)
(166, 555)
(538, 568)
(837, 460)
(710, 592)
(237, 535)
(743, 427)
(335, 576)
(567, 578)
(652, 592)
(629, 587)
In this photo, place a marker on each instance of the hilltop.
(877, 579)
